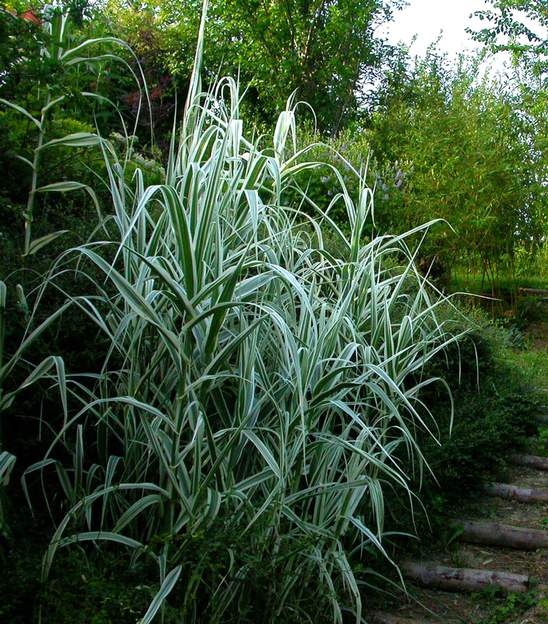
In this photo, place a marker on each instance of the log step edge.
(504, 535)
(430, 574)
(530, 461)
(516, 492)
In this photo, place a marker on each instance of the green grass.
(472, 282)
(268, 387)
(262, 383)
(506, 608)
(534, 362)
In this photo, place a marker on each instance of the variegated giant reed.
(254, 382)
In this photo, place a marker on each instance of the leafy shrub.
(495, 409)
(529, 310)
(487, 184)
(349, 155)
(84, 588)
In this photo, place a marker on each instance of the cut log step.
(531, 461)
(495, 534)
(514, 492)
(387, 618)
(540, 292)
(463, 579)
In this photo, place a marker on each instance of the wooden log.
(531, 461)
(540, 292)
(387, 618)
(495, 534)
(514, 492)
(463, 579)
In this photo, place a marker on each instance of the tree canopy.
(322, 49)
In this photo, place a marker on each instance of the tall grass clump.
(258, 394)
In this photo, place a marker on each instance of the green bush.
(84, 588)
(495, 410)
(345, 156)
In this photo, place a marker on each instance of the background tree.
(520, 28)
(517, 26)
(322, 48)
(463, 153)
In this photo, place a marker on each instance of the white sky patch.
(427, 19)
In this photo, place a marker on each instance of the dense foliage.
(517, 26)
(463, 153)
(228, 359)
(322, 50)
(271, 383)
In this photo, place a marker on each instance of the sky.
(427, 18)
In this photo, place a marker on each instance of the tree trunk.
(514, 492)
(463, 579)
(495, 534)
(531, 461)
